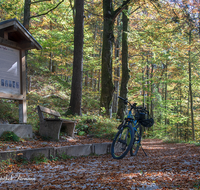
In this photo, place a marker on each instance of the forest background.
(163, 63)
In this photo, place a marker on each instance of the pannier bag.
(140, 116)
(147, 122)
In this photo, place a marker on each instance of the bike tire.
(122, 142)
(137, 135)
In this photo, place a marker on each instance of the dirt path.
(168, 166)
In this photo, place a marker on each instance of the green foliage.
(9, 111)
(65, 156)
(82, 129)
(20, 159)
(9, 136)
(197, 185)
(81, 133)
(54, 159)
(5, 163)
(97, 126)
(39, 159)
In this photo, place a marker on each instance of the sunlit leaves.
(11, 9)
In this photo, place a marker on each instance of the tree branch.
(72, 7)
(39, 1)
(135, 10)
(93, 13)
(120, 9)
(48, 10)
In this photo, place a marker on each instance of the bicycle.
(128, 138)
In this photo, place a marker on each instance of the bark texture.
(76, 89)
(125, 69)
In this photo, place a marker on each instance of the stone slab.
(21, 130)
(30, 154)
(5, 155)
(52, 152)
(76, 150)
(101, 148)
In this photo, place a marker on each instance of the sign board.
(10, 70)
(14, 41)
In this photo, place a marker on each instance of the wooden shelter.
(14, 41)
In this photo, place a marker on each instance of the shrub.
(9, 136)
(39, 159)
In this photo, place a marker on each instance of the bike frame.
(130, 119)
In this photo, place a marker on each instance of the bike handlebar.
(133, 106)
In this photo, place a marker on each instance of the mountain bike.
(129, 135)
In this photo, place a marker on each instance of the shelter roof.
(13, 31)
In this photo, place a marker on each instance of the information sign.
(9, 70)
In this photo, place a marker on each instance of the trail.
(168, 166)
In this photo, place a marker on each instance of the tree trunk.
(86, 79)
(148, 86)
(125, 70)
(76, 89)
(51, 61)
(143, 87)
(107, 87)
(27, 5)
(190, 87)
(116, 69)
(166, 94)
(100, 53)
(188, 112)
(152, 87)
(26, 21)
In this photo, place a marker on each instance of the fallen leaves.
(168, 166)
(39, 143)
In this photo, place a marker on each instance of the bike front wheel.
(122, 142)
(137, 135)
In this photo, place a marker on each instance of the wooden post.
(22, 103)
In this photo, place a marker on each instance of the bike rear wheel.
(122, 142)
(136, 140)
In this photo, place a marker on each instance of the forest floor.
(38, 142)
(168, 166)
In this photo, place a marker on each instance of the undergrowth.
(97, 126)
(49, 91)
(9, 136)
(53, 92)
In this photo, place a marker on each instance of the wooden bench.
(50, 127)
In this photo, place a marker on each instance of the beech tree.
(125, 69)
(107, 87)
(76, 88)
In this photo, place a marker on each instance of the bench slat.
(52, 119)
(68, 121)
(49, 111)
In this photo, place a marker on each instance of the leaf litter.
(168, 166)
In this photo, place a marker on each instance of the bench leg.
(52, 129)
(69, 128)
